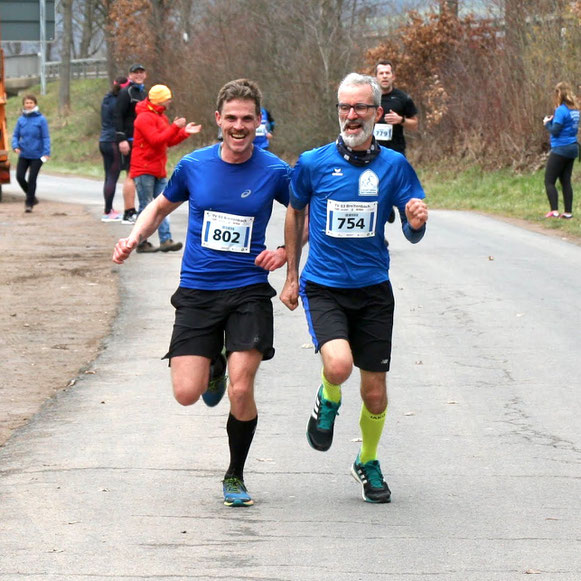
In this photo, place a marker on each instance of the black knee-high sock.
(240, 436)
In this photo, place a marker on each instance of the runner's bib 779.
(227, 232)
(351, 219)
(383, 131)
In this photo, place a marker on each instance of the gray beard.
(353, 141)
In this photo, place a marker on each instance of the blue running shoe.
(217, 383)
(321, 423)
(373, 486)
(235, 493)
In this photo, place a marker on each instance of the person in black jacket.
(124, 119)
(109, 148)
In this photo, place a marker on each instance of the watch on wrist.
(402, 119)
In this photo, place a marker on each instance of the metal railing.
(80, 69)
(28, 65)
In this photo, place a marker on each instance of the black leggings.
(112, 164)
(561, 168)
(28, 187)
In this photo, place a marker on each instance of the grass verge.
(501, 193)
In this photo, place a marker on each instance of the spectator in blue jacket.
(31, 141)
(563, 126)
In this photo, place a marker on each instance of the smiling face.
(28, 104)
(238, 120)
(357, 129)
(138, 76)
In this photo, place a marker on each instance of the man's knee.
(375, 400)
(189, 379)
(374, 391)
(337, 367)
(241, 394)
(187, 392)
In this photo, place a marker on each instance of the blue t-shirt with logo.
(569, 119)
(229, 209)
(348, 208)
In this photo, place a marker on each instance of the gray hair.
(357, 80)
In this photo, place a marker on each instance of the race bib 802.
(227, 232)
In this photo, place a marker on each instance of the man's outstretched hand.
(123, 248)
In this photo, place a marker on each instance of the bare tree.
(66, 7)
(450, 5)
(91, 24)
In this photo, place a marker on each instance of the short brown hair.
(239, 89)
(30, 97)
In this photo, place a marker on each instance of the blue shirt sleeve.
(561, 115)
(300, 193)
(16, 135)
(410, 187)
(176, 189)
(283, 193)
(45, 137)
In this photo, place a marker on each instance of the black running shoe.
(217, 383)
(321, 422)
(373, 486)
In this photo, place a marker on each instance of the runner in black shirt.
(400, 111)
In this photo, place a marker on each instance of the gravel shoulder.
(60, 295)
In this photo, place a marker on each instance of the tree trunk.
(87, 28)
(65, 66)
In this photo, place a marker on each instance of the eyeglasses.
(359, 108)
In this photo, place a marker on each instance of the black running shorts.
(242, 317)
(362, 316)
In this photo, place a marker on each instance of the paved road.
(114, 480)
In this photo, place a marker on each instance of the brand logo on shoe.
(245, 193)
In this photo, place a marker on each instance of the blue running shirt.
(229, 209)
(348, 208)
(569, 119)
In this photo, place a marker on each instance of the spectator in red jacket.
(153, 134)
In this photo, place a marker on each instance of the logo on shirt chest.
(368, 183)
(245, 193)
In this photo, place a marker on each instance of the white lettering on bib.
(351, 219)
(227, 232)
(383, 131)
(261, 131)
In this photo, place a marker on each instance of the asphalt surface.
(114, 480)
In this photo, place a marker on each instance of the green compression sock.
(331, 391)
(371, 429)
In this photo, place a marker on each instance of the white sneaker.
(112, 216)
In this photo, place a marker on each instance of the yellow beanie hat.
(159, 94)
